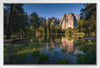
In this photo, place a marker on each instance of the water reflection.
(68, 46)
(56, 47)
(61, 49)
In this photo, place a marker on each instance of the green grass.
(35, 53)
(89, 49)
(8, 48)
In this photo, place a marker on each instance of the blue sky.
(53, 10)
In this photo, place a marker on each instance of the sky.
(53, 10)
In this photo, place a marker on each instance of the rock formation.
(54, 21)
(66, 21)
(30, 18)
(69, 20)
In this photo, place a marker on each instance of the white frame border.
(50, 1)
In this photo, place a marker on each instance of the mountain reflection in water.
(63, 50)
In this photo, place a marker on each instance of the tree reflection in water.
(61, 49)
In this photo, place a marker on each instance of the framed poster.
(49, 33)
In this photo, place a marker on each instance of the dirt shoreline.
(11, 40)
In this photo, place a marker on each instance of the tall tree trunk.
(9, 22)
(49, 29)
(45, 32)
(34, 33)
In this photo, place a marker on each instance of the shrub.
(62, 61)
(87, 58)
(20, 58)
(35, 53)
(43, 58)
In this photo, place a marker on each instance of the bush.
(89, 49)
(35, 53)
(81, 59)
(20, 58)
(62, 61)
(17, 59)
(43, 58)
(88, 58)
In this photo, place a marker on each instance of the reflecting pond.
(51, 50)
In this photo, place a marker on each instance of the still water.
(56, 48)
